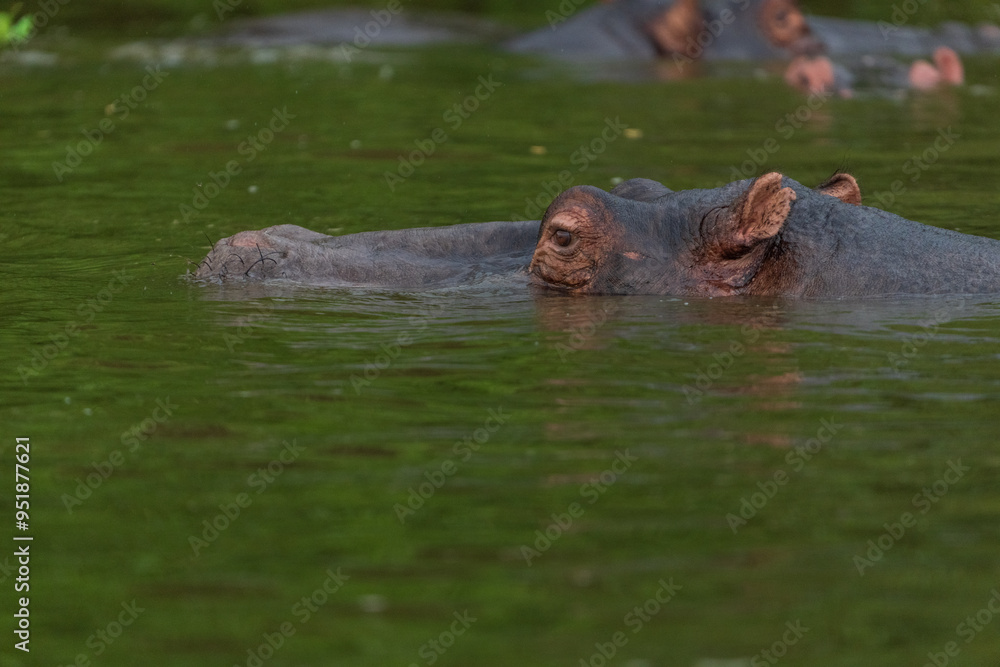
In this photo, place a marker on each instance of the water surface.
(543, 465)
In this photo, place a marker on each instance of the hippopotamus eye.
(563, 238)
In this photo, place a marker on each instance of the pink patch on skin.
(949, 64)
(249, 240)
(947, 70)
(632, 255)
(924, 76)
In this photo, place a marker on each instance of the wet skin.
(422, 258)
(768, 236)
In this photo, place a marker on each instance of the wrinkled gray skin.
(769, 236)
(423, 257)
(409, 258)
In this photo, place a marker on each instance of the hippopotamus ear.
(676, 29)
(842, 186)
(757, 216)
(641, 189)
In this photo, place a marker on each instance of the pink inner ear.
(632, 255)
(762, 211)
(842, 186)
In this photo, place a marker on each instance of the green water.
(515, 404)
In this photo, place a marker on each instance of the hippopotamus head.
(737, 29)
(784, 25)
(642, 238)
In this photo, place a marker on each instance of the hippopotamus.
(742, 30)
(814, 74)
(832, 55)
(647, 29)
(894, 37)
(782, 25)
(613, 31)
(768, 236)
(425, 257)
(838, 55)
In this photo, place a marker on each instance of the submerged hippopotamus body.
(740, 30)
(646, 29)
(766, 236)
(685, 31)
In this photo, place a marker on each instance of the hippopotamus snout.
(254, 254)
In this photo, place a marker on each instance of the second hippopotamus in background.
(685, 31)
(738, 30)
(646, 29)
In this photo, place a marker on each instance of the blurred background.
(221, 473)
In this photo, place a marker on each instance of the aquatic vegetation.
(15, 32)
